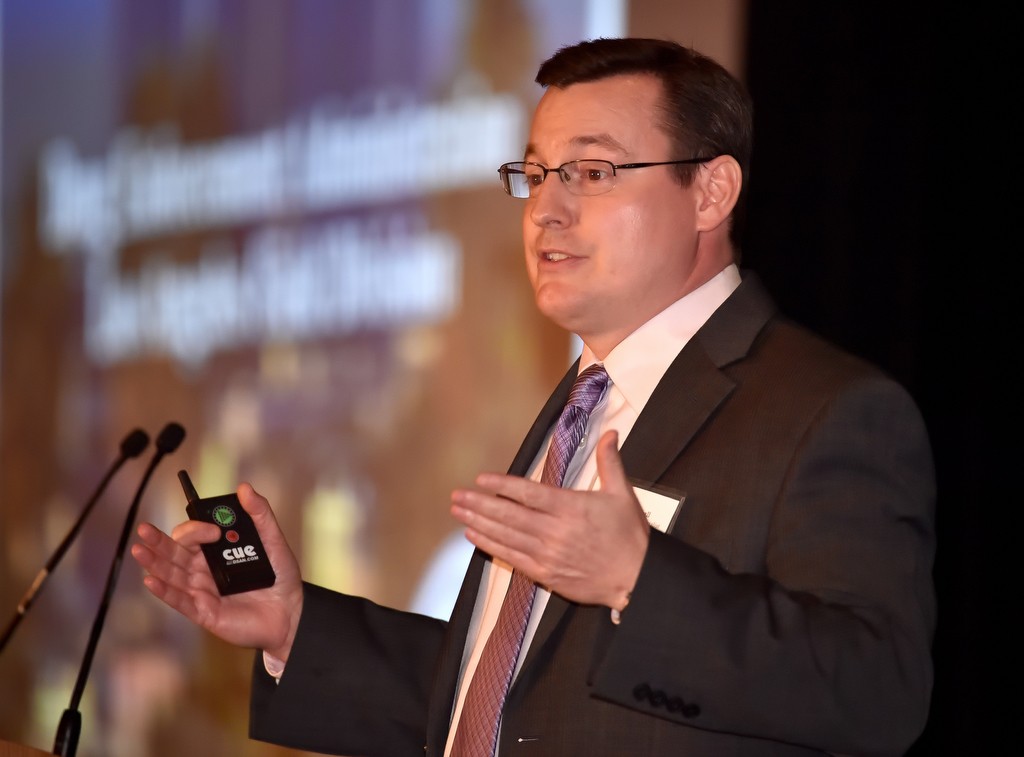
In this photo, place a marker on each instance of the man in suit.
(738, 559)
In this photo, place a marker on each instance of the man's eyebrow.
(587, 140)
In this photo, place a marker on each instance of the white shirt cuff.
(274, 666)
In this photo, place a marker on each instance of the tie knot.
(587, 389)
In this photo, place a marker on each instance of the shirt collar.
(638, 362)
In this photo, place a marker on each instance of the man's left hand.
(587, 546)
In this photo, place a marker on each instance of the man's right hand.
(178, 575)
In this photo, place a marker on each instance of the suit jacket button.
(642, 692)
(658, 698)
(691, 711)
(675, 704)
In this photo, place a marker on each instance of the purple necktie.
(481, 712)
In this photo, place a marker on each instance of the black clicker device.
(237, 560)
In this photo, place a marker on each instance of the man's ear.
(719, 182)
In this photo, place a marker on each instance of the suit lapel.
(695, 384)
(681, 403)
(450, 660)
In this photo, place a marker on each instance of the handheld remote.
(237, 560)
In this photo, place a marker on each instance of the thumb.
(609, 464)
(257, 506)
(289, 576)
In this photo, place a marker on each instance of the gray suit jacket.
(789, 611)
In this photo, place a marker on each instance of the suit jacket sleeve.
(357, 681)
(794, 604)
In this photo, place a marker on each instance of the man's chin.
(563, 312)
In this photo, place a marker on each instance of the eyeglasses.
(581, 177)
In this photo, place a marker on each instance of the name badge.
(661, 510)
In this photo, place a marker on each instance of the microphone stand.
(131, 446)
(66, 742)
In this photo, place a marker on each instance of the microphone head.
(169, 438)
(133, 444)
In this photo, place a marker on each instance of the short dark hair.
(706, 110)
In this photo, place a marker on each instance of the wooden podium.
(7, 749)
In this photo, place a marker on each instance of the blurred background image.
(280, 225)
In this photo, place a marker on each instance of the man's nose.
(550, 202)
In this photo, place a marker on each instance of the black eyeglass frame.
(505, 171)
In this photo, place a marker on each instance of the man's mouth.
(554, 257)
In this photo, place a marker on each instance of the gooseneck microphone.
(131, 446)
(66, 742)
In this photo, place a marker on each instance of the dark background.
(879, 205)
